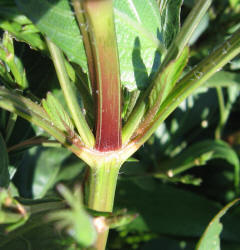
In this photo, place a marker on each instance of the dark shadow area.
(35, 9)
(140, 71)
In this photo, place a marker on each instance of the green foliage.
(53, 24)
(210, 239)
(4, 174)
(170, 19)
(172, 187)
(84, 233)
(57, 113)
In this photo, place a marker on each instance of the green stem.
(71, 98)
(83, 26)
(102, 186)
(104, 47)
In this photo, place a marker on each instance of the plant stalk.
(70, 97)
(102, 186)
(104, 47)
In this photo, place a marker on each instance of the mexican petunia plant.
(121, 77)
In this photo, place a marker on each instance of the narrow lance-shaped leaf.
(70, 96)
(198, 154)
(170, 19)
(162, 85)
(211, 236)
(35, 114)
(57, 113)
(104, 46)
(29, 111)
(4, 174)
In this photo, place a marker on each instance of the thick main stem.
(102, 186)
(104, 47)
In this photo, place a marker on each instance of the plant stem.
(83, 26)
(104, 47)
(102, 186)
(71, 98)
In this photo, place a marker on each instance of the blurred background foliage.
(171, 188)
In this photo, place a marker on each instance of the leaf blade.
(4, 174)
(211, 236)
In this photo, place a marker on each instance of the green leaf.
(170, 19)
(167, 79)
(138, 29)
(57, 113)
(77, 222)
(55, 19)
(168, 210)
(201, 152)
(223, 79)
(50, 166)
(210, 239)
(37, 234)
(4, 174)
(140, 20)
(19, 26)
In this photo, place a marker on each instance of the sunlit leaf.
(138, 30)
(167, 79)
(57, 113)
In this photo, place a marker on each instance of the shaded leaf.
(164, 206)
(170, 19)
(20, 26)
(210, 239)
(41, 168)
(55, 19)
(4, 174)
(201, 152)
(223, 79)
(36, 235)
